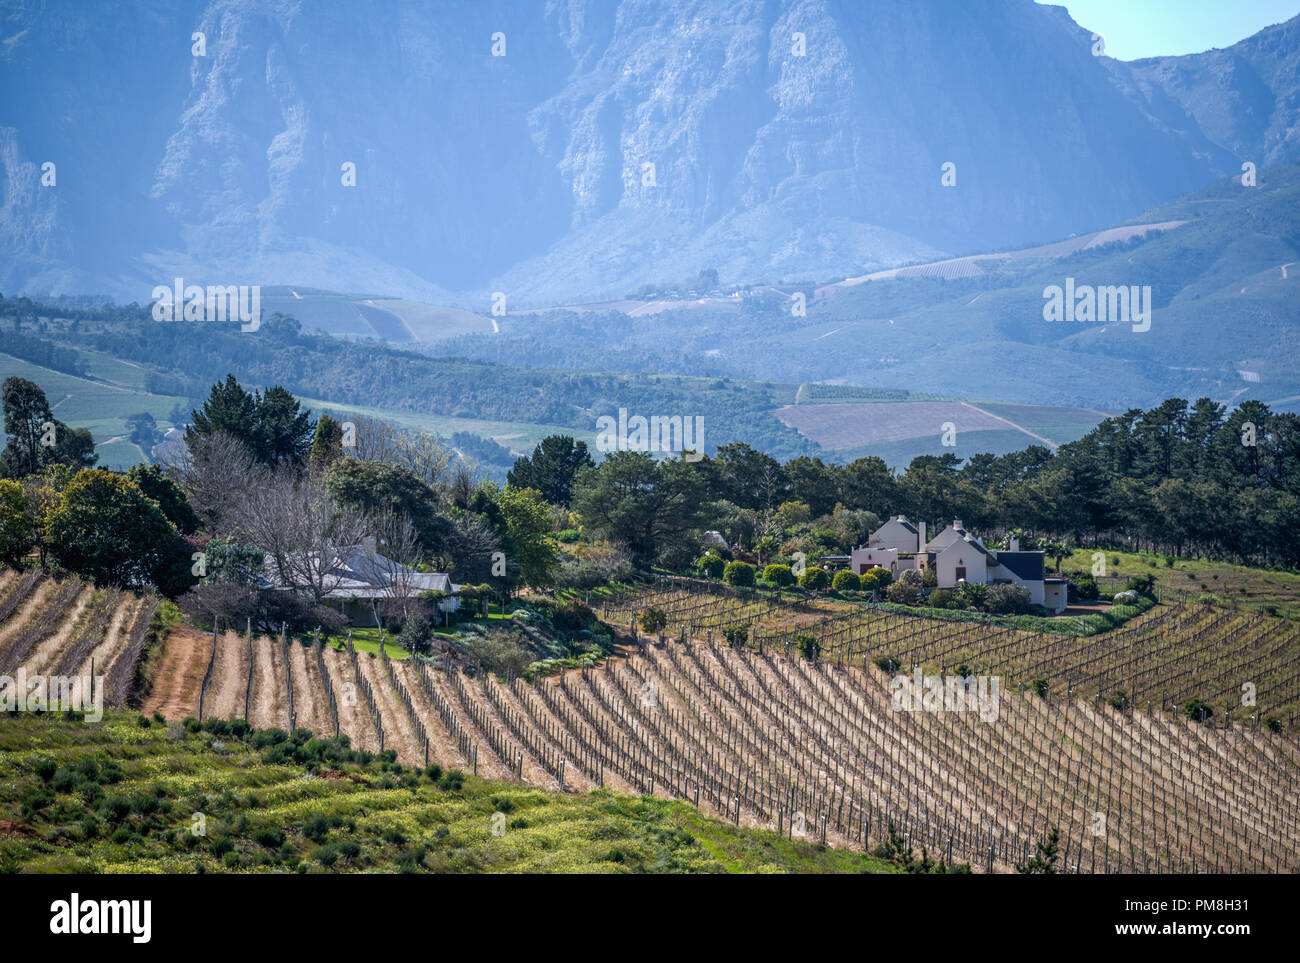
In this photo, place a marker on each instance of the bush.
(568, 535)
(712, 566)
(888, 663)
(809, 647)
(653, 621)
(1125, 598)
(972, 595)
(1142, 585)
(740, 574)
(778, 575)
(736, 635)
(453, 780)
(1198, 711)
(875, 579)
(902, 593)
(846, 581)
(417, 633)
(1007, 600)
(499, 654)
(814, 578)
(941, 598)
(1083, 588)
(572, 616)
(270, 837)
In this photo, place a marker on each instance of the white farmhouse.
(957, 556)
(359, 578)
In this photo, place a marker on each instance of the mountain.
(788, 140)
(1222, 264)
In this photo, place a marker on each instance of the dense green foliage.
(125, 795)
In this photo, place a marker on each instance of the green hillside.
(125, 795)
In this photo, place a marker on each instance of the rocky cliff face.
(613, 144)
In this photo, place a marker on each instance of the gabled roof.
(968, 542)
(364, 574)
(1028, 566)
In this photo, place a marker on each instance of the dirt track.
(355, 720)
(442, 747)
(399, 734)
(309, 701)
(229, 679)
(269, 706)
(180, 676)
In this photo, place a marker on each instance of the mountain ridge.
(525, 173)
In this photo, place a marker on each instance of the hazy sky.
(1152, 28)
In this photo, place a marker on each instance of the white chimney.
(956, 523)
(1015, 544)
(920, 537)
(368, 546)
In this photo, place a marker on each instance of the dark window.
(961, 572)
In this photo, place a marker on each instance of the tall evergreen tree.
(551, 468)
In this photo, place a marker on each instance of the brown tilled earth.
(399, 734)
(229, 679)
(310, 705)
(442, 747)
(269, 706)
(355, 720)
(175, 691)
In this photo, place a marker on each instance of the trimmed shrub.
(875, 579)
(845, 581)
(814, 578)
(740, 574)
(779, 575)
(712, 566)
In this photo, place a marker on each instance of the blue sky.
(1152, 28)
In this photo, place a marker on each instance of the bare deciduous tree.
(396, 553)
(421, 453)
(218, 473)
(307, 535)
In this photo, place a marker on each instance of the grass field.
(1254, 587)
(519, 437)
(1058, 424)
(126, 794)
(899, 431)
(101, 406)
(429, 322)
